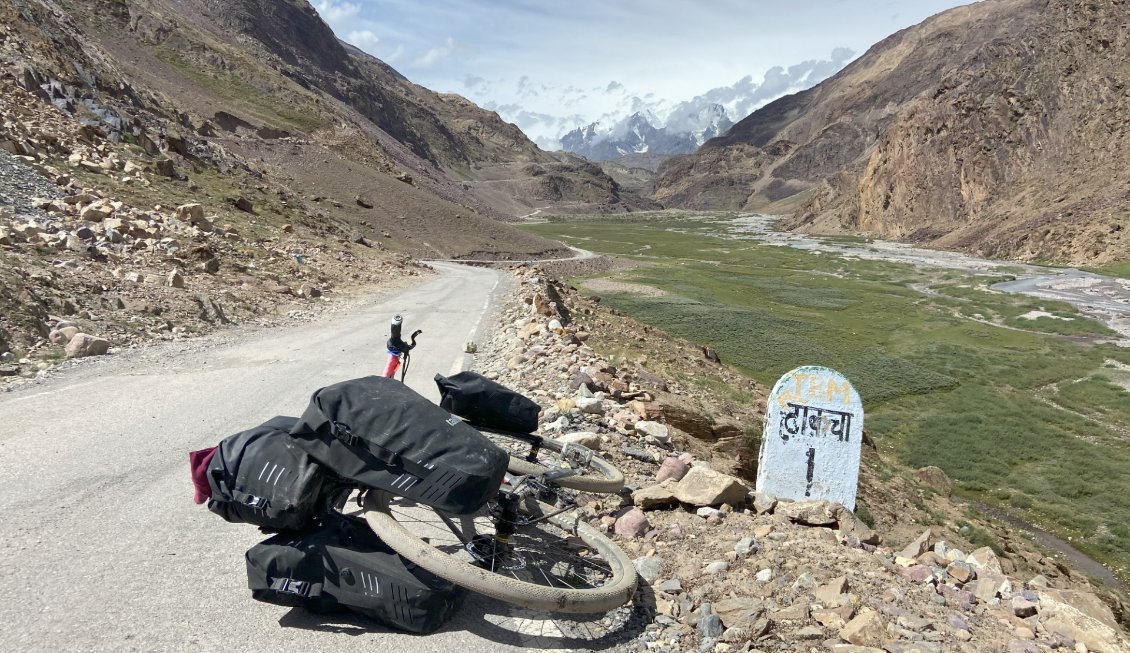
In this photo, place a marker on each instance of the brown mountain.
(268, 83)
(998, 127)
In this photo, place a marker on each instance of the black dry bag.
(487, 403)
(343, 564)
(380, 433)
(260, 476)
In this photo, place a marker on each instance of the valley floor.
(1021, 398)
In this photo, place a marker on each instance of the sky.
(550, 66)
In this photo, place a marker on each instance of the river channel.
(1102, 298)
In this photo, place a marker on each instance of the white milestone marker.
(812, 437)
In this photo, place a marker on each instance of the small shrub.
(864, 514)
(980, 537)
(1021, 501)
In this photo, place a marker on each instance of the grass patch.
(1096, 396)
(258, 103)
(980, 537)
(1119, 269)
(864, 514)
(1019, 312)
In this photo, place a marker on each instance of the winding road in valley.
(104, 549)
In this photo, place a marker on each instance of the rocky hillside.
(725, 569)
(103, 245)
(171, 167)
(251, 73)
(996, 128)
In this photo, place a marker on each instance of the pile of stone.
(75, 343)
(95, 227)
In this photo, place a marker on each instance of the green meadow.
(1017, 399)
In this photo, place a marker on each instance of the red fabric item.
(199, 461)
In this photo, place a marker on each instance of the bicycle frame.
(397, 361)
(507, 518)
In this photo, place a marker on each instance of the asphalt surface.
(102, 546)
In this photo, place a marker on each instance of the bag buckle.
(345, 434)
(258, 503)
(291, 586)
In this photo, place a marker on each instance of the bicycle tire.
(618, 591)
(607, 478)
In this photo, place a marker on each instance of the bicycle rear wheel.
(531, 455)
(559, 564)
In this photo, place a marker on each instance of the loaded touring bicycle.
(463, 493)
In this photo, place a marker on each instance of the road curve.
(103, 548)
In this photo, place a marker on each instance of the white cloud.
(394, 55)
(364, 39)
(334, 12)
(436, 54)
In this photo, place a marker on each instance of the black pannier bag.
(343, 564)
(260, 476)
(381, 434)
(487, 403)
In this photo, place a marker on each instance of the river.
(1102, 298)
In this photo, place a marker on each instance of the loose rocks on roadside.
(723, 569)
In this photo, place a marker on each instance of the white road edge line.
(461, 361)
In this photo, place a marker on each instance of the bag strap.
(391, 458)
(302, 588)
(250, 500)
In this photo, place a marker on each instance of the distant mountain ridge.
(997, 128)
(637, 134)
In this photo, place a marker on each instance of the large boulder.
(866, 629)
(61, 336)
(810, 513)
(829, 514)
(656, 496)
(674, 468)
(83, 344)
(1082, 617)
(984, 559)
(97, 211)
(935, 478)
(631, 524)
(190, 213)
(703, 486)
(1084, 602)
(917, 547)
(654, 430)
(740, 612)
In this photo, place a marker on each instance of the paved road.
(102, 548)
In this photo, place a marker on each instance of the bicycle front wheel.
(556, 564)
